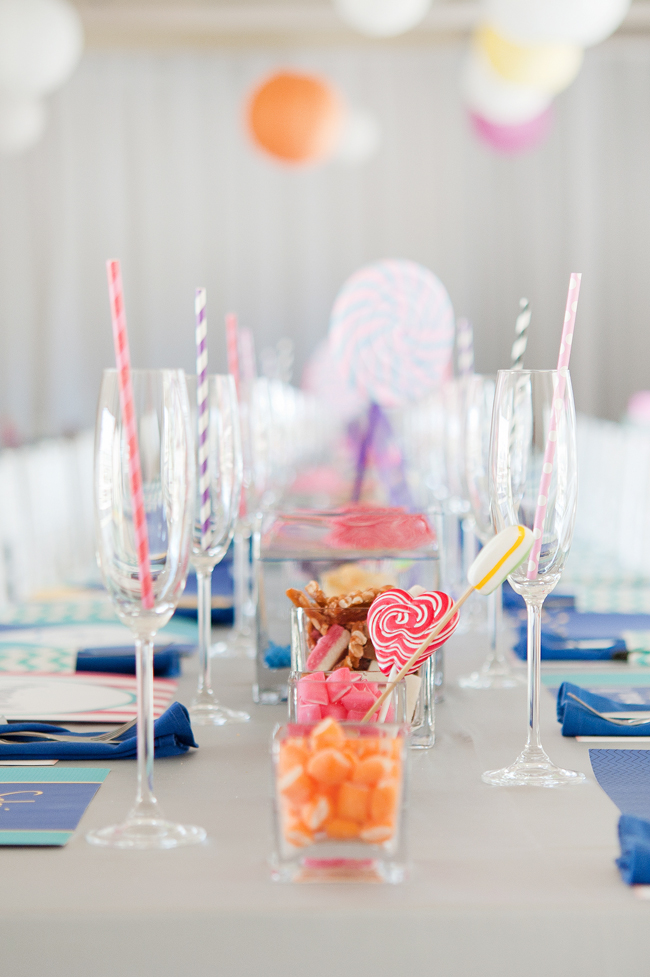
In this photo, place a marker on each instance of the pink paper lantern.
(512, 139)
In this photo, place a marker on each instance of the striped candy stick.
(558, 398)
(464, 347)
(202, 413)
(123, 362)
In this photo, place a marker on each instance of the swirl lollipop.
(392, 332)
(398, 624)
(503, 554)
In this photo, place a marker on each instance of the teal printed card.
(45, 807)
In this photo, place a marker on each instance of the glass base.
(533, 770)
(321, 870)
(212, 714)
(139, 834)
(492, 676)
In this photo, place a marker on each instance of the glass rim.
(529, 372)
(142, 371)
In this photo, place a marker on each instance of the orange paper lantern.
(296, 118)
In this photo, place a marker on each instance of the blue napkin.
(555, 648)
(634, 860)
(222, 589)
(597, 636)
(121, 660)
(172, 736)
(578, 721)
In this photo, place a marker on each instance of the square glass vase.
(339, 803)
(292, 548)
(412, 703)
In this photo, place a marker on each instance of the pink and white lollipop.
(398, 624)
(392, 332)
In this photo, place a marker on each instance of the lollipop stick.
(425, 644)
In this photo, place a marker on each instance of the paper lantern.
(512, 139)
(493, 98)
(40, 45)
(296, 118)
(382, 18)
(549, 67)
(22, 121)
(360, 138)
(583, 22)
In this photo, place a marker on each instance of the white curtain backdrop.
(146, 159)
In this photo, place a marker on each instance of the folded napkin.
(222, 587)
(634, 860)
(572, 649)
(172, 736)
(578, 721)
(121, 660)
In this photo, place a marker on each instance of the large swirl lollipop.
(398, 625)
(392, 332)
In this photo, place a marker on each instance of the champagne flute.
(166, 444)
(210, 544)
(495, 673)
(523, 402)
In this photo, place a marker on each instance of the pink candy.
(328, 649)
(344, 695)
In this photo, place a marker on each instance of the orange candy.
(353, 802)
(314, 813)
(293, 753)
(329, 766)
(373, 769)
(296, 786)
(383, 803)
(327, 733)
(341, 828)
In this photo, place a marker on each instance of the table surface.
(502, 881)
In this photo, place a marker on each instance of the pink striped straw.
(123, 362)
(232, 347)
(558, 397)
(202, 413)
(247, 356)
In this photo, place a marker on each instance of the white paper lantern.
(583, 22)
(40, 44)
(22, 121)
(382, 18)
(360, 139)
(493, 98)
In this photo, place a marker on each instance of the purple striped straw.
(202, 413)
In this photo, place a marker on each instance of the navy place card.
(44, 807)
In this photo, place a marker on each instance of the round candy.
(499, 557)
(392, 332)
(549, 67)
(512, 139)
(399, 623)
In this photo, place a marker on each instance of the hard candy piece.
(373, 769)
(499, 557)
(336, 711)
(312, 692)
(353, 802)
(338, 683)
(296, 786)
(310, 714)
(399, 623)
(358, 700)
(329, 766)
(327, 733)
(383, 803)
(315, 812)
(342, 828)
(328, 649)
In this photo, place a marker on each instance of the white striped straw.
(464, 347)
(202, 413)
(521, 335)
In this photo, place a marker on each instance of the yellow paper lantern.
(548, 67)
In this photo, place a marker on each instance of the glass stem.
(534, 607)
(242, 579)
(146, 803)
(204, 602)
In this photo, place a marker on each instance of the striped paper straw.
(232, 347)
(123, 362)
(202, 413)
(247, 355)
(521, 335)
(464, 347)
(558, 397)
